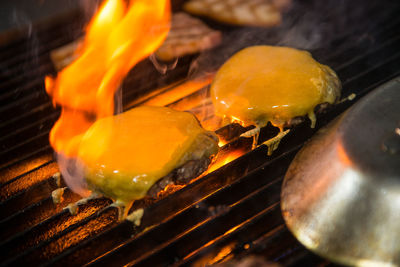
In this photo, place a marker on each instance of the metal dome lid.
(341, 194)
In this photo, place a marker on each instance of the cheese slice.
(126, 154)
(262, 84)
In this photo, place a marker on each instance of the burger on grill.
(280, 85)
(141, 151)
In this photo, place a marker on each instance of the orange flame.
(117, 38)
(222, 142)
(223, 160)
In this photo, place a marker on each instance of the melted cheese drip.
(57, 195)
(126, 154)
(265, 83)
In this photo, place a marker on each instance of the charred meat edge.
(186, 172)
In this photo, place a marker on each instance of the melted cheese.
(57, 195)
(126, 154)
(265, 83)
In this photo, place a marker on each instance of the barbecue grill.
(229, 213)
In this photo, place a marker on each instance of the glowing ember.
(180, 92)
(117, 38)
(221, 143)
(224, 159)
(237, 120)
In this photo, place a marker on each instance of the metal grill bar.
(32, 215)
(18, 171)
(31, 50)
(190, 194)
(52, 117)
(344, 48)
(30, 117)
(27, 175)
(56, 238)
(27, 196)
(43, 33)
(15, 91)
(233, 192)
(20, 160)
(144, 78)
(291, 145)
(264, 222)
(51, 235)
(209, 229)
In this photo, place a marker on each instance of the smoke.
(20, 19)
(24, 20)
(307, 25)
(73, 173)
(89, 8)
(17, 24)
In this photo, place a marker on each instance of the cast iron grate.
(231, 212)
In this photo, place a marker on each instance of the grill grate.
(231, 212)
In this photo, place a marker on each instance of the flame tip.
(111, 47)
